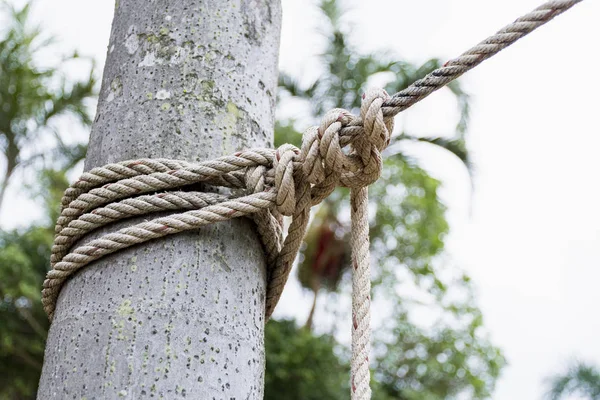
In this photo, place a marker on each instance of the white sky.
(530, 234)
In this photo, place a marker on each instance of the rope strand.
(471, 58)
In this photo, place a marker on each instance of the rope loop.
(326, 166)
(367, 147)
(283, 163)
(323, 160)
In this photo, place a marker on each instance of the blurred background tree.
(302, 365)
(32, 99)
(24, 260)
(447, 356)
(580, 379)
(451, 354)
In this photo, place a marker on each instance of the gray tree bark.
(181, 316)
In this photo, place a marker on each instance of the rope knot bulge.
(322, 162)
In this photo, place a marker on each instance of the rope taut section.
(266, 184)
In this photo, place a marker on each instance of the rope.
(265, 184)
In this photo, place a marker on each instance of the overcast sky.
(530, 234)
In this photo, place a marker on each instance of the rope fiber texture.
(266, 184)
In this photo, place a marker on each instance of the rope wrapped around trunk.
(345, 150)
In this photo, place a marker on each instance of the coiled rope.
(267, 184)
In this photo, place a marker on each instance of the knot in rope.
(317, 169)
(283, 164)
(322, 162)
(367, 148)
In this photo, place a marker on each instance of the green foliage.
(456, 146)
(415, 365)
(286, 133)
(437, 363)
(452, 355)
(410, 222)
(346, 73)
(32, 97)
(302, 366)
(24, 261)
(24, 258)
(579, 379)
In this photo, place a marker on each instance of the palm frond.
(332, 11)
(580, 378)
(462, 99)
(456, 146)
(290, 85)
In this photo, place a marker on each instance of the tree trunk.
(181, 316)
(315, 288)
(12, 155)
(4, 186)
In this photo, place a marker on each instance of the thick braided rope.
(266, 184)
(113, 212)
(369, 148)
(471, 58)
(475, 55)
(145, 231)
